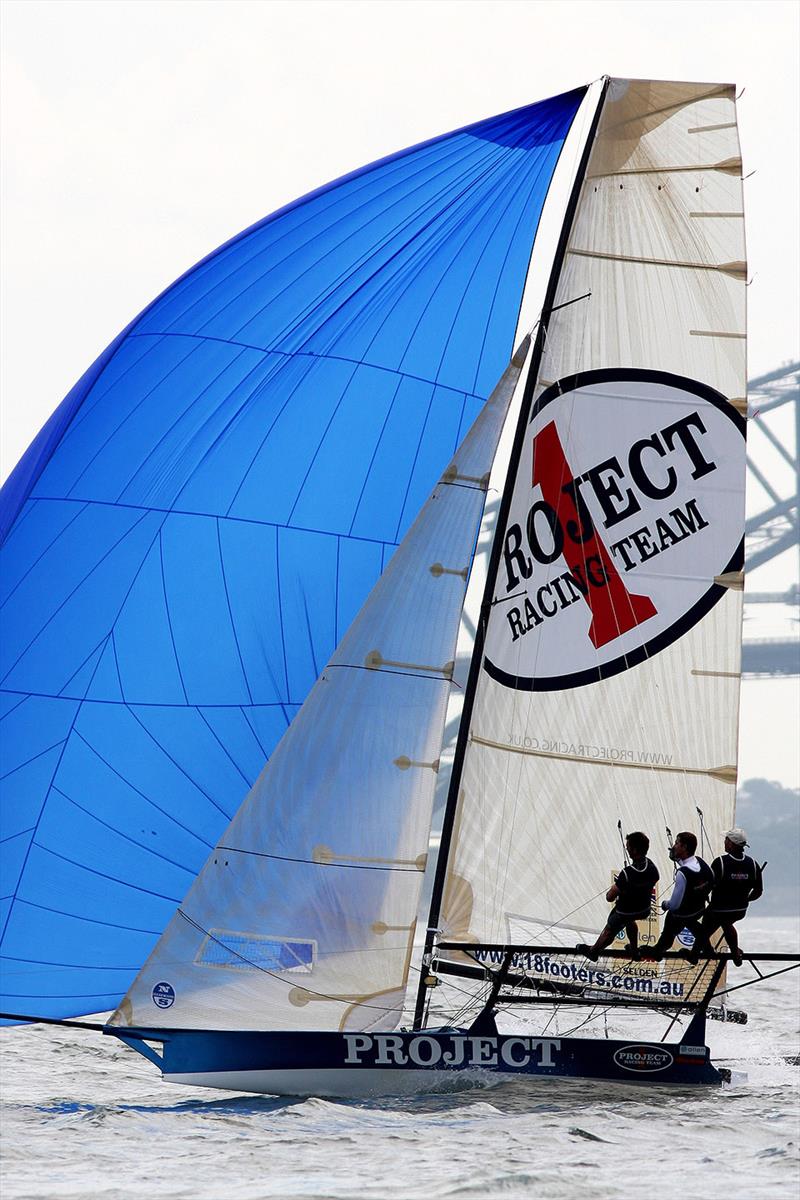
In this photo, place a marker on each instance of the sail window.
(256, 952)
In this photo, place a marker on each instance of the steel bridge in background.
(776, 529)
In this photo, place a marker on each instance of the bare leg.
(672, 927)
(605, 938)
(632, 930)
(732, 938)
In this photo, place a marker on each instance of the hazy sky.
(137, 136)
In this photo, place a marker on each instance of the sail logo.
(163, 995)
(627, 509)
(643, 1058)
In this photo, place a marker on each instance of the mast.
(451, 803)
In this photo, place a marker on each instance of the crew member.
(684, 908)
(633, 892)
(737, 881)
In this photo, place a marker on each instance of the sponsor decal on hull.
(627, 506)
(643, 1058)
(450, 1051)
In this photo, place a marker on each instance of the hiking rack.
(574, 990)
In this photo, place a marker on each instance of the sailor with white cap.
(737, 881)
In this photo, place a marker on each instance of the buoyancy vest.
(635, 886)
(698, 886)
(734, 880)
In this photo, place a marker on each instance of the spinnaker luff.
(192, 532)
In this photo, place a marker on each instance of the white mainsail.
(303, 917)
(608, 685)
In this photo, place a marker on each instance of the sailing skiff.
(550, 656)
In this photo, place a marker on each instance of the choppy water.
(84, 1117)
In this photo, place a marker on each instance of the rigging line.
(750, 982)
(434, 677)
(10, 838)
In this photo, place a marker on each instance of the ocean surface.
(84, 1117)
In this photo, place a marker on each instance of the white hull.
(345, 1084)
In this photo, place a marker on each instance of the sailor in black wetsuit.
(684, 908)
(737, 881)
(633, 892)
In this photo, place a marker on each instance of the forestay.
(609, 683)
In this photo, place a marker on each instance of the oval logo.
(628, 505)
(643, 1058)
(163, 995)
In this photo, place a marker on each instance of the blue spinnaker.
(196, 525)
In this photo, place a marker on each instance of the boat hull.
(385, 1064)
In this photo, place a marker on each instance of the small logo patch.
(164, 995)
(686, 938)
(643, 1058)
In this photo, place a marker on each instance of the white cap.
(737, 836)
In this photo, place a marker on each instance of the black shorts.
(617, 920)
(723, 918)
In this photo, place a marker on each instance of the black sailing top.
(635, 884)
(737, 880)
